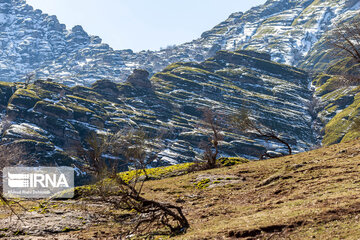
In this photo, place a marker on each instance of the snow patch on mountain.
(35, 42)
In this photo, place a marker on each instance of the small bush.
(204, 183)
(230, 161)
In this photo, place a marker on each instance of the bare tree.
(151, 214)
(136, 146)
(28, 78)
(346, 39)
(245, 124)
(125, 193)
(210, 126)
(10, 155)
(92, 155)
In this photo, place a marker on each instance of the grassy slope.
(310, 195)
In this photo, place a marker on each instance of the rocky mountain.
(90, 87)
(50, 119)
(31, 41)
(290, 30)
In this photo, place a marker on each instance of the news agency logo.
(38, 182)
(34, 180)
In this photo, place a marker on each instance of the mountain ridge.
(279, 96)
(73, 57)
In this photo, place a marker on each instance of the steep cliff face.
(53, 118)
(276, 95)
(290, 30)
(31, 41)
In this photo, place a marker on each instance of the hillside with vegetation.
(311, 195)
(249, 132)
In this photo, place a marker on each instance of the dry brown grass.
(312, 195)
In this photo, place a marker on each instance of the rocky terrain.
(49, 118)
(31, 40)
(290, 30)
(272, 61)
(73, 99)
(338, 108)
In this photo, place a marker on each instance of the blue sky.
(143, 24)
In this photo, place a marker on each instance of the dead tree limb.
(245, 124)
(210, 126)
(123, 193)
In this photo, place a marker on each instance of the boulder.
(140, 79)
(107, 88)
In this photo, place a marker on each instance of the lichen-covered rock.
(276, 94)
(52, 86)
(7, 89)
(24, 98)
(140, 79)
(106, 88)
(25, 131)
(53, 109)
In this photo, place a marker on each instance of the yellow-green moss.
(32, 132)
(230, 161)
(26, 93)
(82, 100)
(78, 108)
(330, 85)
(51, 108)
(159, 172)
(204, 183)
(320, 79)
(263, 31)
(352, 134)
(152, 173)
(344, 66)
(24, 98)
(340, 125)
(331, 108)
(40, 92)
(7, 84)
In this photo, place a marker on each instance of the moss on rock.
(53, 109)
(24, 98)
(340, 125)
(230, 161)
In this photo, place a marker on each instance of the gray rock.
(35, 42)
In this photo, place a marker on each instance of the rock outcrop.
(58, 117)
(290, 31)
(140, 79)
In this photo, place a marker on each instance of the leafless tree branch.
(243, 123)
